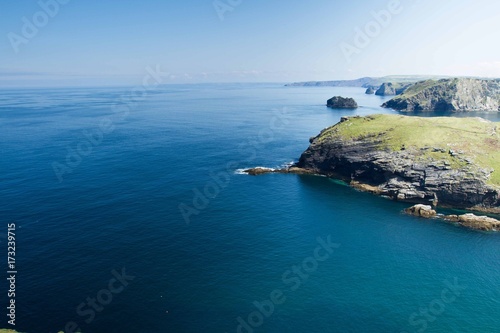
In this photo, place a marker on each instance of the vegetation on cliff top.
(457, 141)
(419, 87)
(449, 95)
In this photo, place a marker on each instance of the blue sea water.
(126, 174)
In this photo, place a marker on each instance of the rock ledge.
(471, 221)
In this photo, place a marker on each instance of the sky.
(99, 43)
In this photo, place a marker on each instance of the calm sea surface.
(101, 195)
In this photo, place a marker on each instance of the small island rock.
(338, 102)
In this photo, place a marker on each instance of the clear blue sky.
(90, 42)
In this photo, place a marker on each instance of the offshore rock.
(338, 102)
(421, 211)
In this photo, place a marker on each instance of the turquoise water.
(182, 146)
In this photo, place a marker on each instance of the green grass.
(475, 137)
(421, 86)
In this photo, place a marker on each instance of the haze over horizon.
(92, 43)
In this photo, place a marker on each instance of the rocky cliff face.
(404, 158)
(449, 95)
(370, 91)
(391, 89)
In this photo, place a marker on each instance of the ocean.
(132, 215)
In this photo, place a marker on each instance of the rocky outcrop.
(370, 91)
(470, 221)
(386, 90)
(258, 171)
(449, 95)
(396, 157)
(391, 89)
(421, 211)
(338, 102)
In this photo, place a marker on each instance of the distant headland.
(449, 95)
(426, 94)
(367, 82)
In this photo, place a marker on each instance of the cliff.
(449, 162)
(449, 95)
(370, 90)
(391, 89)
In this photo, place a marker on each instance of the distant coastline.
(366, 82)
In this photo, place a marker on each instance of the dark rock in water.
(370, 91)
(338, 102)
(292, 169)
(449, 95)
(259, 171)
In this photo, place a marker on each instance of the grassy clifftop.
(457, 141)
(449, 95)
(421, 86)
